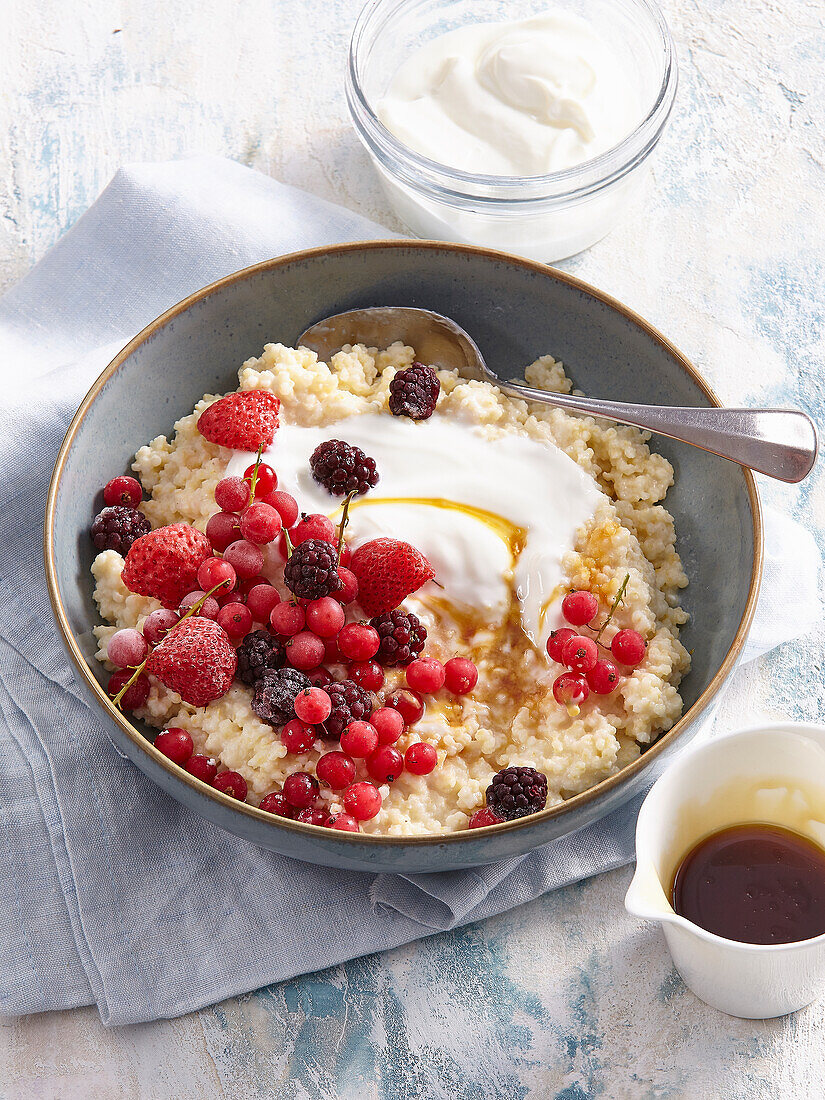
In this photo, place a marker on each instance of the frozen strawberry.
(196, 660)
(244, 421)
(387, 571)
(165, 562)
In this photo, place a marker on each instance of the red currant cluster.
(587, 670)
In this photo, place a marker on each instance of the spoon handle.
(781, 443)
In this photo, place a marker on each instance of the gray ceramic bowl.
(516, 310)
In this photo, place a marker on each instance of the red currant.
(388, 724)
(425, 674)
(285, 505)
(313, 817)
(319, 677)
(136, 695)
(231, 783)
(336, 769)
(482, 817)
(304, 650)
(556, 642)
(236, 620)
(312, 705)
(367, 674)
(349, 586)
(260, 524)
(385, 764)
(260, 600)
(245, 558)
(420, 758)
(176, 744)
(209, 608)
(276, 803)
(629, 647)
(222, 530)
(332, 655)
(297, 736)
(346, 554)
(216, 571)
(157, 624)
(125, 491)
(344, 822)
(300, 789)
(580, 654)
(204, 768)
(315, 526)
(287, 619)
(362, 801)
(579, 608)
(603, 677)
(570, 689)
(460, 675)
(409, 705)
(360, 739)
(127, 647)
(266, 481)
(359, 641)
(232, 494)
(324, 617)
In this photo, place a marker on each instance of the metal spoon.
(781, 443)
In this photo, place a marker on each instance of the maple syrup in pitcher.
(755, 883)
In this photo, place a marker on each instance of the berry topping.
(349, 584)
(244, 421)
(387, 570)
(125, 491)
(260, 600)
(305, 650)
(135, 695)
(260, 523)
(336, 769)
(628, 647)
(284, 504)
(324, 617)
(517, 792)
(236, 619)
(232, 494)
(231, 783)
(414, 392)
(425, 674)
(402, 636)
(275, 803)
(345, 822)
(556, 643)
(362, 801)
(580, 654)
(287, 619)
(367, 674)
(314, 526)
(216, 571)
(196, 660)
(482, 817)
(579, 608)
(204, 768)
(157, 624)
(266, 480)
(208, 609)
(360, 739)
(176, 744)
(164, 563)
(358, 642)
(409, 705)
(118, 528)
(386, 764)
(571, 689)
(388, 724)
(127, 648)
(342, 469)
(312, 705)
(259, 653)
(275, 692)
(312, 571)
(297, 736)
(350, 703)
(245, 558)
(603, 677)
(420, 758)
(222, 530)
(312, 816)
(460, 675)
(300, 790)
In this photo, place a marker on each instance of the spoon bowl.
(781, 443)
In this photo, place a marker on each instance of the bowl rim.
(313, 831)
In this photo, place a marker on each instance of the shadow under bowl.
(516, 310)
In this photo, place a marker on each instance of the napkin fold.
(111, 892)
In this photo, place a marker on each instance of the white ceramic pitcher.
(773, 774)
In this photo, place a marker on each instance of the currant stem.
(254, 481)
(613, 606)
(344, 521)
(289, 547)
(193, 610)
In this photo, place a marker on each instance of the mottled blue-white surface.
(567, 997)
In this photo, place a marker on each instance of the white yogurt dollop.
(488, 514)
(512, 99)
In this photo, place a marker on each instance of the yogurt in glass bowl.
(516, 125)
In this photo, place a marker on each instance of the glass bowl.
(545, 217)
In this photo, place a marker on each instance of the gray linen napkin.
(110, 892)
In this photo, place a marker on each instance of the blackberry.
(414, 392)
(312, 570)
(402, 637)
(275, 695)
(342, 468)
(258, 653)
(517, 792)
(350, 703)
(117, 527)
